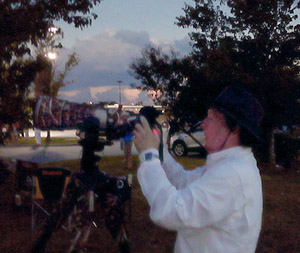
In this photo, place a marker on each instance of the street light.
(120, 92)
(51, 55)
(52, 30)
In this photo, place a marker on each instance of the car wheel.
(179, 148)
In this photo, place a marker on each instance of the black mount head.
(90, 143)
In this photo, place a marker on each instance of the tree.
(250, 43)
(49, 80)
(157, 73)
(22, 24)
(255, 44)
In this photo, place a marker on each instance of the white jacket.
(215, 208)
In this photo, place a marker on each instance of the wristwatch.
(149, 156)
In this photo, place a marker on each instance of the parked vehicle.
(183, 143)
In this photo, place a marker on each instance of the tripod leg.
(87, 230)
(74, 241)
(124, 244)
(57, 219)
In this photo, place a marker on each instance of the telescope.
(55, 114)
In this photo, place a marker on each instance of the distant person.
(26, 131)
(37, 134)
(127, 149)
(15, 127)
(217, 207)
(3, 134)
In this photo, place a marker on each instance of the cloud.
(105, 59)
(131, 95)
(98, 90)
(139, 39)
(183, 45)
(111, 93)
(71, 93)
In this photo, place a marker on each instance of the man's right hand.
(144, 138)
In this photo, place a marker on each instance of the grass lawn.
(280, 229)
(31, 141)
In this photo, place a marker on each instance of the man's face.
(215, 130)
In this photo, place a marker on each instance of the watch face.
(148, 156)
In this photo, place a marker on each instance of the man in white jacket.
(218, 207)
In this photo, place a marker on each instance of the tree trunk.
(272, 150)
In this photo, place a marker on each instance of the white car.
(183, 143)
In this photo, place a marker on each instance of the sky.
(107, 47)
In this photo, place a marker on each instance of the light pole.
(120, 92)
(52, 56)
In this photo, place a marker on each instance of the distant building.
(135, 108)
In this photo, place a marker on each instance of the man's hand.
(144, 138)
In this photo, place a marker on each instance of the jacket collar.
(214, 158)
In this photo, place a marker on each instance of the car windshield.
(196, 127)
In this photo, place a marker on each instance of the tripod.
(88, 191)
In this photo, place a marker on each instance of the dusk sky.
(114, 39)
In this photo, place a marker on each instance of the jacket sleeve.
(206, 201)
(177, 175)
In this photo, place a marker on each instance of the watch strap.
(149, 155)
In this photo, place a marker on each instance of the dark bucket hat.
(241, 106)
